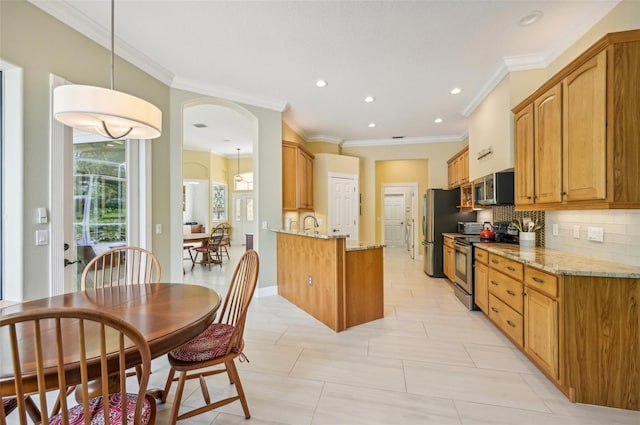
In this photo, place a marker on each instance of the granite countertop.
(563, 263)
(350, 245)
(359, 246)
(311, 235)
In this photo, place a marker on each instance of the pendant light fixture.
(108, 112)
(238, 177)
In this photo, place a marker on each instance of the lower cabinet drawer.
(507, 319)
(507, 289)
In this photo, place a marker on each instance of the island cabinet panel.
(601, 333)
(338, 285)
(364, 289)
(311, 276)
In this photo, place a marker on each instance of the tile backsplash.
(621, 234)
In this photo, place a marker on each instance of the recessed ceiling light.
(372, 124)
(456, 90)
(438, 120)
(321, 83)
(369, 99)
(531, 18)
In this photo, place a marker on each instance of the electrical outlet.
(555, 229)
(310, 280)
(595, 234)
(576, 231)
(265, 225)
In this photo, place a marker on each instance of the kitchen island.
(337, 281)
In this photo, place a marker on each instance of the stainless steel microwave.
(494, 189)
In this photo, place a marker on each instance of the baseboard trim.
(267, 291)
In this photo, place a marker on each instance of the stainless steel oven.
(463, 270)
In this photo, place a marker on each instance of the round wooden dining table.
(167, 314)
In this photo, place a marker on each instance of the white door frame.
(413, 186)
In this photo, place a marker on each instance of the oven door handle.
(461, 247)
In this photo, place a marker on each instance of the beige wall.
(490, 126)
(324, 147)
(434, 155)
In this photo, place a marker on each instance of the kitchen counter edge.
(350, 245)
(562, 263)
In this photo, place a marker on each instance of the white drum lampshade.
(107, 112)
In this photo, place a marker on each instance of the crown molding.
(225, 93)
(89, 28)
(324, 138)
(406, 141)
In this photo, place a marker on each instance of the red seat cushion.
(96, 408)
(9, 404)
(210, 344)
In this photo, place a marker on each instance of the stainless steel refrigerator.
(440, 214)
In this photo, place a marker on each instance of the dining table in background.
(167, 314)
(203, 239)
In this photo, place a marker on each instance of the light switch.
(158, 229)
(555, 229)
(42, 237)
(576, 231)
(595, 234)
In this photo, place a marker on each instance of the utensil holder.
(527, 239)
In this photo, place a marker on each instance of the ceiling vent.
(200, 125)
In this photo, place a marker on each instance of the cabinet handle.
(510, 323)
(493, 282)
(529, 197)
(511, 269)
(537, 279)
(563, 193)
(495, 310)
(513, 294)
(495, 261)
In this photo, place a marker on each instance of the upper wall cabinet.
(458, 168)
(577, 138)
(297, 178)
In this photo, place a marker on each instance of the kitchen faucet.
(315, 223)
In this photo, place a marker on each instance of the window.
(219, 201)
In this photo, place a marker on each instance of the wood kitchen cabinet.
(541, 320)
(577, 138)
(505, 297)
(448, 258)
(297, 178)
(458, 168)
(581, 330)
(481, 279)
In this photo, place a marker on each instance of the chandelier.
(108, 112)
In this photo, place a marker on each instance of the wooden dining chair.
(225, 229)
(210, 251)
(102, 344)
(220, 344)
(125, 265)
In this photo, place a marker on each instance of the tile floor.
(429, 361)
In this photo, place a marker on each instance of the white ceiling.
(407, 54)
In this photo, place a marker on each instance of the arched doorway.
(219, 137)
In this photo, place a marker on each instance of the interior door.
(394, 217)
(343, 206)
(243, 217)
